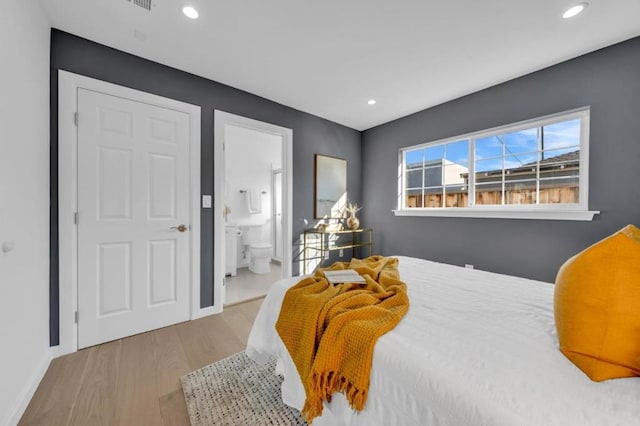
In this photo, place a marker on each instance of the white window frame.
(578, 211)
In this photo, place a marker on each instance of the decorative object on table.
(237, 391)
(336, 226)
(352, 221)
(330, 186)
(322, 227)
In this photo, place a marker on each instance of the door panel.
(162, 130)
(115, 121)
(163, 191)
(133, 188)
(114, 184)
(162, 272)
(114, 278)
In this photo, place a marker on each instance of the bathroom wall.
(250, 156)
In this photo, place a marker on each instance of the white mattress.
(475, 348)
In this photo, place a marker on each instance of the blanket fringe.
(323, 386)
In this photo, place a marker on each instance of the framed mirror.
(330, 186)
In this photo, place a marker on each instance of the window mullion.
(503, 171)
(402, 181)
(443, 163)
(471, 181)
(424, 177)
(540, 143)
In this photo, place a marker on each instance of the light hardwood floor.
(136, 380)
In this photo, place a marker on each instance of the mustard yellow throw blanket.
(330, 331)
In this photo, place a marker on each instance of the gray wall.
(311, 135)
(608, 80)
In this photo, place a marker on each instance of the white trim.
(67, 204)
(195, 131)
(555, 214)
(205, 312)
(30, 389)
(274, 226)
(222, 119)
(584, 158)
(68, 85)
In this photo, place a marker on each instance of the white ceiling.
(329, 57)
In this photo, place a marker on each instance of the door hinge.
(76, 218)
(76, 118)
(76, 316)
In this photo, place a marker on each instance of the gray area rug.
(237, 391)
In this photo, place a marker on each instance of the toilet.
(259, 252)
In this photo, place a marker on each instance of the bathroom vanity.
(231, 250)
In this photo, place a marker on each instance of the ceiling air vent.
(146, 4)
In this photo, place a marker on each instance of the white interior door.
(133, 197)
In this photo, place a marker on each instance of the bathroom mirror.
(330, 186)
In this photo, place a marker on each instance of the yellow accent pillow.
(597, 307)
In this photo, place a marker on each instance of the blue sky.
(520, 147)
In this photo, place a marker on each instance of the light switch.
(206, 201)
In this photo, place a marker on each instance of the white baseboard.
(205, 312)
(58, 351)
(24, 397)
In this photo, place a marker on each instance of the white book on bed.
(344, 276)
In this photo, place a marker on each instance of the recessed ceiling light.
(574, 10)
(372, 102)
(190, 12)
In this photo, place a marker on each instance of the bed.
(475, 348)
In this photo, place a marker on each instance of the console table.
(318, 245)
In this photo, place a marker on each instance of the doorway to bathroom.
(252, 207)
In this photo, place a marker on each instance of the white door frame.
(222, 119)
(68, 85)
(274, 223)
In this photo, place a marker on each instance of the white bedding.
(475, 348)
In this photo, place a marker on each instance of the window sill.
(555, 214)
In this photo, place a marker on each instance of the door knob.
(179, 228)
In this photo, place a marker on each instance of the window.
(532, 169)
(436, 175)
